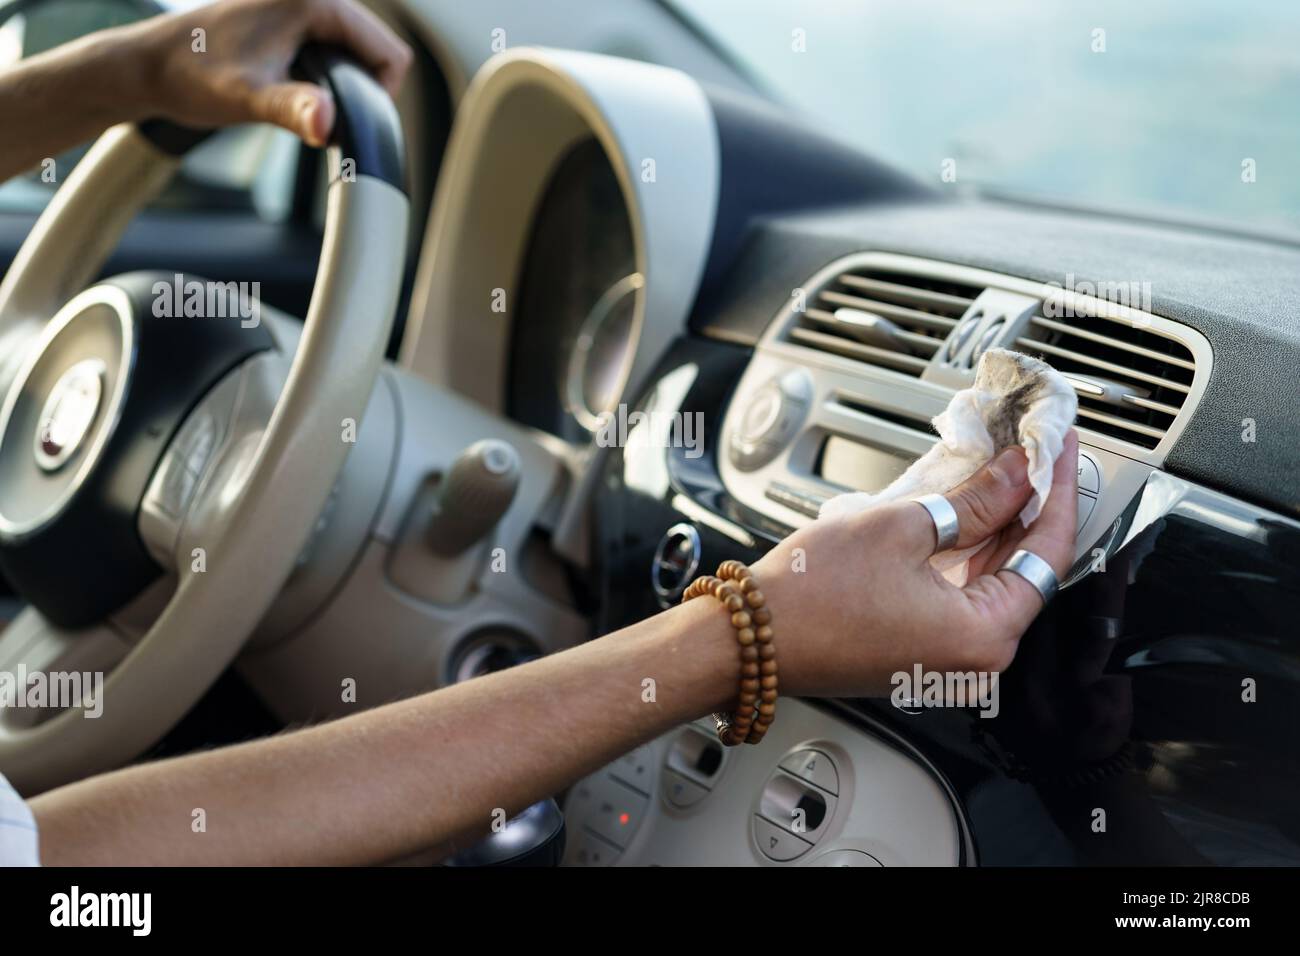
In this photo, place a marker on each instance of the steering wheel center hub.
(82, 430)
(68, 413)
(61, 410)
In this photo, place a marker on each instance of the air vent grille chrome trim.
(891, 319)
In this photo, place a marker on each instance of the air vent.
(1131, 381)
(894, 320)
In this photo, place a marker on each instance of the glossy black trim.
(173, 138)
(367, 128)
(1163, 691)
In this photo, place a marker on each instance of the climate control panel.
(818, 791)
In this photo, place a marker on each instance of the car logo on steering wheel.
(68, 413)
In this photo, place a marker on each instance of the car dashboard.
(1155, 691)
(694, 318)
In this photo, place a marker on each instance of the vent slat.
(1144, 376)
(855, 350)
(882, 317)
(1149, 404)
(906, 293)
(1033, 345)
(937, 323)
(1046, 323)
(1117, 422)
(829, 321)
(927, 342)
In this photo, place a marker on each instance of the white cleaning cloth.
(1015, 400)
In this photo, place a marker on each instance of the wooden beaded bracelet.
(738, 591)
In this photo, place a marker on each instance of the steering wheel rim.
(253, 550)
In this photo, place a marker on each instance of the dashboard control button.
(762, 414)
(610, 809)
(796, 805)
(815, 767)
(1086, 504)
(780, 495)
(617, 814)
(635, 769)
(752, 456)
(185, 461)
(805, 502)
(846, 858)
(776, 843)
(587, 849)
(1089, 474)
(680, 792)
(696, 755)
(178, 484)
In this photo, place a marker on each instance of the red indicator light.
(623, 818)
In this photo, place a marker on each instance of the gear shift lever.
(474, 494)
(534, 838)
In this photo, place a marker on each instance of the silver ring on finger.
(944, 516)
(1035, 570)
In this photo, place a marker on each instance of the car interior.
(582, 223)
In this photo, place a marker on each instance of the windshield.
(1148, 107)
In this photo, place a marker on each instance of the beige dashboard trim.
(1123, 467)
(1196, 343)
(523, 111)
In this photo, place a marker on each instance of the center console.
(817, 792)
(1158, 685)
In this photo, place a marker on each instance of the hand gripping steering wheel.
(102, 431)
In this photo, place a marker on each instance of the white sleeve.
(18, 842)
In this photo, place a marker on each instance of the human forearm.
(69, 95)
(853, 602)
(415, 774)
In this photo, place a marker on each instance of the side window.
(240, 169)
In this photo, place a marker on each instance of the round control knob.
(770, 419)
(763, 413)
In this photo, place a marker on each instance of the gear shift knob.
(534, 838)
(474, 494)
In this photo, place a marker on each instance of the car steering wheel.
(103, 414)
